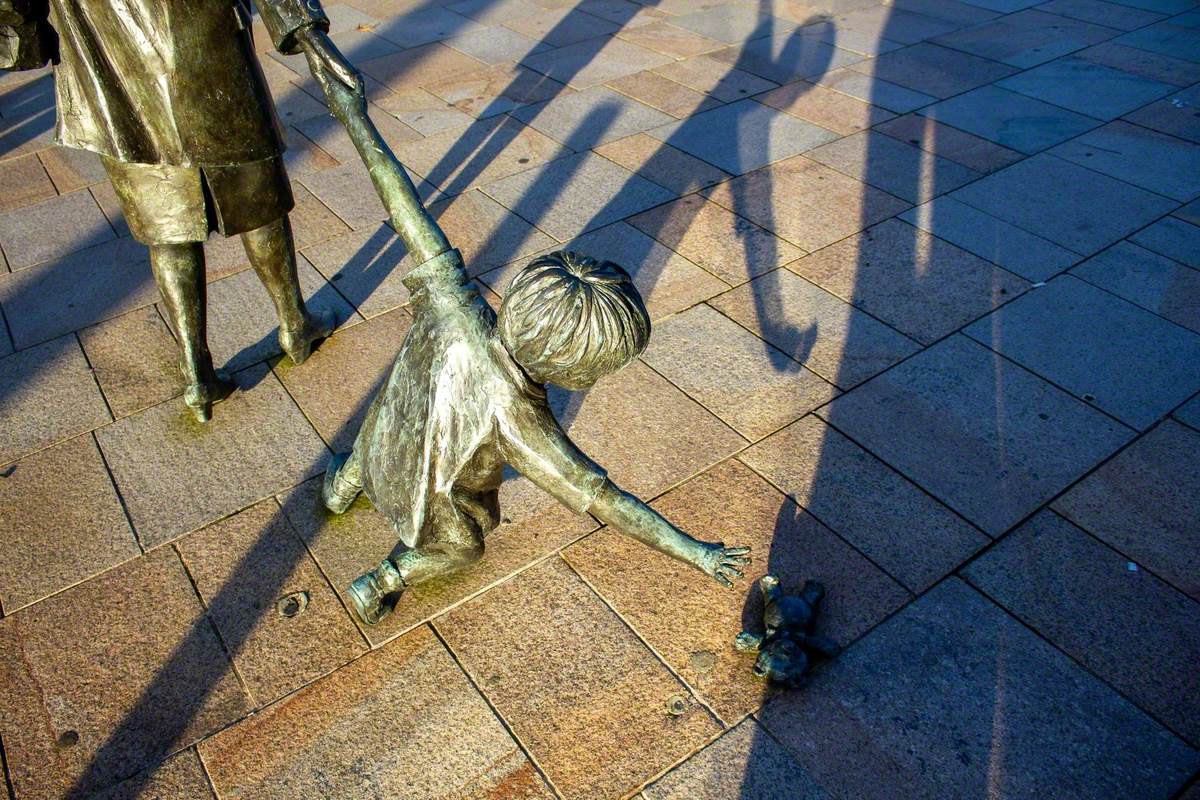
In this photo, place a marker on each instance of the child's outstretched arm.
(632, 517)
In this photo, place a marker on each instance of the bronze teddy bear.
(784, 649)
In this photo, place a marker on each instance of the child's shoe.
(375, 593)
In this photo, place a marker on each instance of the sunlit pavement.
(925, 281)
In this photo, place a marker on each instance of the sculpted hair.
(570, 320)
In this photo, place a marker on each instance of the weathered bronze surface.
(786, 646)
(171, 95)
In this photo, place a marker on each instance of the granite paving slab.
(932, 136)
(495, 45)
(1087, 87)
(1106, 351)
(746, 762)
(364, 267)
(861, 39)
(897, 167)
(576, 194)
(145, 675)
(533, 526)
(742, 136)
(729, 246)
(24, 182)
(669, 39)
(824, 107)
(690, 620)
(424, 25)
(176, 474)
(1017, 441)
(843, 345)
(933, 70)
(1113, 15)
(62, 523)
(559, 26)
(417, 66)
(785, 57)
(327, 133)
(1175, 115)
(662, 93)
(495, 89)
(243, 328)
(591, 118)
(873, 90)
(594, 61)
(274, 610)
(1167, 38)
(919, 284)
(1142, 63)
(180, 777)
(1010, 119)
(913, 537)
(48, 395)
(660, 163)
(1173, 238)
(1154, 282)
(1071, 206)
(580, 690)
(869, 726)
(732, 23)
(433, 736)
(76, 290)
(1144, 503)
(892, 23)
(421, 111)
(52, 229)
(1031, 37)
(337, 383)
(752, 386)
(806, 203)
(949, 10)
(1145, 158)
(72, 169)
(1018, 251)
(1125, 625)
(716, 78)
(1189, 413)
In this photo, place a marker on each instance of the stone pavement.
(925, 279)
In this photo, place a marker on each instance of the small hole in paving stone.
(1089, 397)
(522, 160)
(291, 605)
(677, 705)
(68, 739)
(1043, 415)
(494, 680)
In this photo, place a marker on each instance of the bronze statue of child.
(467, 395)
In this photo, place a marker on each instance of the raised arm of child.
(632, 517)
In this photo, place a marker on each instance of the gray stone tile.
(135, 360)
(660, 163)
(76, 290)
(669, 39)
(180, 777)
(458, 747)
(916, 539)
(996, 720)
(1153, 282)
(1189, 213)
(819, 105)
(745, 762)
(1087, 87)
(1136, 155)
(62, 523)
(48, 395)
(24, 182)
(1144, 503)
(1067, 204)
(829, 336)
(364, 267)
(1112, 354)
(893, 23)
(576, 194)
(1017, 441)
(590, 118)
(875, 91)
(932, 136)
(1010, 119)
(424, 25)
(242, 325)
(949, 10)
(933, 70)
(667, 281)
(1161, 6)
(1166, 38)
(594, 61)
(1139, 62)
(716, 78)
(743, 136)
(894, 166)
(663, 93)
(557, 27)
(1173, 238)
(496, 45)
(1099, 12)
(1018, 251)
(785, 57)
(1028, 37)
(921, 285)
(743, 380)
(52, 228)
(176, 474)
(417, 66)
(423, 112)
(1126, 626)
(732, 23)
(71, 169)
(806, 203)
(244, 567)
(1190, 413)
(144, 675)
(495, 89)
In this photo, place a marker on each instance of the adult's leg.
(272, 253)
(179, 273)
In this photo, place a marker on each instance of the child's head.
(570, 320)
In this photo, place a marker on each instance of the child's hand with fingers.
(722, 562)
